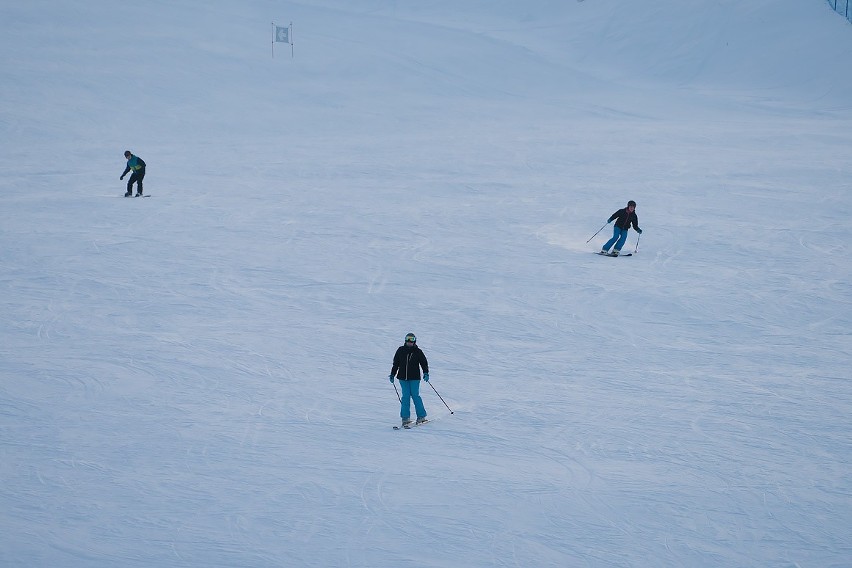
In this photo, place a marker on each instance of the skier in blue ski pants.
(407, 362)
(623, 219)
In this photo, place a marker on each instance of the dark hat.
(631, 202)
(127, 153)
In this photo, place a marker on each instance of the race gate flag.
(282, 34)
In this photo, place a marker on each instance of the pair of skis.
(411, 425)
(610, 254)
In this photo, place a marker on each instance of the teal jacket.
(135, 163)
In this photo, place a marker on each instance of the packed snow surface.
(200, 378)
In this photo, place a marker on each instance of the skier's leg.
(418, 401)
(405, 400)
(621, 239)
(139, 182)
(130, 181)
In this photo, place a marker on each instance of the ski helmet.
(410, 337)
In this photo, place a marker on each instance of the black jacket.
(624, 219)
(407, 362)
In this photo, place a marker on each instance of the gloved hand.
(608, 221)
(390, 378)
(426, 377)
(120, 177)
(639, 231)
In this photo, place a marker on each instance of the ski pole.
(439, 396)
(639, 236)
(397, 393)
(599, 230)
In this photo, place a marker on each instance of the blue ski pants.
(411, 390)
(619, 236)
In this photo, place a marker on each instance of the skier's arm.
(127, 169)
(395, 365)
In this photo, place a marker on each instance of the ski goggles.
(410, 338)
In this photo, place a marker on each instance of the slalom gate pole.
(639, 236)
(439, 396)
(596, 234)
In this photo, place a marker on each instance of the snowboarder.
(407, 362)
(623, 219)
(136, 164)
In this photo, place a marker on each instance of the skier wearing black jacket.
(623, 219)
(407, 362)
